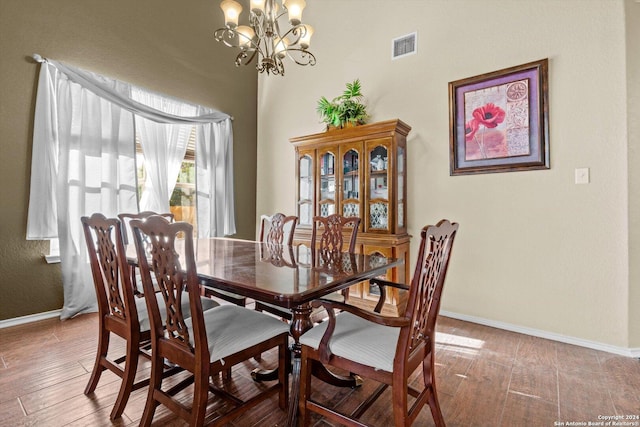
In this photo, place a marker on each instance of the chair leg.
(399, 402)
(284, 364)
(226, 374)
(101, 354)
(256, 307)
(155, 383)
(305, 390)
(430, 383)
(434, 405)
(200, 398)
(129, 376)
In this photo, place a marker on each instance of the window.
(183, 199)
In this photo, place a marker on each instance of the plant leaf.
(353, 90)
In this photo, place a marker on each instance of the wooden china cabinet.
(359, 171)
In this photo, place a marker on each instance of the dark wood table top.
(282, 275)
(286, 276)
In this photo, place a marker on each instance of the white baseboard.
(629, 352)
(30, 318)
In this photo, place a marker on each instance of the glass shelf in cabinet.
(379, 172)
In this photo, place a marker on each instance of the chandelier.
(262, 38)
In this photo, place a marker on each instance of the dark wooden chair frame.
(416, 343)
(332, 230)
(273, 229)
(174, 344)
(117, 313)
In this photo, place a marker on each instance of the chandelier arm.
(226, 36)
(231, 38)
(294, 32)
(308, 57)
(245, 54)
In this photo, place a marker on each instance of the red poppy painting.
(499, 121)
(494, 133)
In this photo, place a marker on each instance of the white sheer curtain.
(83, 161)
(214, 184)
(164, 146)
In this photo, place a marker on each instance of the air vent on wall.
(405, 45)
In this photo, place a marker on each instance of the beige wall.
(534, 250)
(632, 11)
(164, 45)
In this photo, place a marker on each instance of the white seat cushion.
(143, 315)
(231, 328)
(359, 340)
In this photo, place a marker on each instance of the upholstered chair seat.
(358, 340)
(231, 329)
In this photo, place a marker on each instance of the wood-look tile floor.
(486, 377)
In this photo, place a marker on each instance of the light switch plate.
(582, 175)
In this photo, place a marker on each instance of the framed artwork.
(499, 121)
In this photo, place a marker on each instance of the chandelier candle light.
(262, 37)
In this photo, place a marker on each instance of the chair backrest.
(126, 218)
(163, 261)
(114, 290)
(333, 229)
(278, 255)
(277, 229)
(423, 303)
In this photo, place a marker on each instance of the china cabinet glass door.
(305, 195)
(400, 189)
(378, 202)
(327, 191)
(351, 183)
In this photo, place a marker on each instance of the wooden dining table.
(287, 276)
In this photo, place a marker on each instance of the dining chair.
(385, 349)
(327, 236)
(276, 230)
(125, 219)
(120, 311)
(207, 343)
(332, 231)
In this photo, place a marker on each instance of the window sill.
(52, 259)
